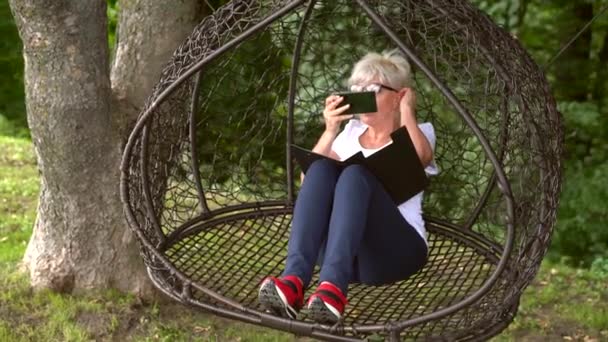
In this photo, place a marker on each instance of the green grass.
(18, 195)
(562, 302)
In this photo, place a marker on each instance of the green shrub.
(581, 235)
(599, 267)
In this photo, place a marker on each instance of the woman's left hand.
(407, 104)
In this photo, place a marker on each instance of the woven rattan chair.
(209, 185)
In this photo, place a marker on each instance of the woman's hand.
(407, 106)
(332, 112)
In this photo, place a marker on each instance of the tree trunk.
(572, 68)
(599, 89)
(80, 239)
(142, 50)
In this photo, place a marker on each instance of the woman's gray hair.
(390, 67)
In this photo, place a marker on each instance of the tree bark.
(142, 50)
(80, 239)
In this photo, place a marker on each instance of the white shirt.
(347, 144)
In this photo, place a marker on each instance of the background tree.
(79, 109)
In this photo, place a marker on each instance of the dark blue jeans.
(348, 224)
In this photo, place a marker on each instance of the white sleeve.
(429, 132)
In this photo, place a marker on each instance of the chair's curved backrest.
(207, 164)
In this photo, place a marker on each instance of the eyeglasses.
(375, 87)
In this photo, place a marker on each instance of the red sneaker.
(327, 303)
(283, 296)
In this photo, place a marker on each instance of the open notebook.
(396, 166)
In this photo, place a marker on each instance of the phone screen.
(360, 102)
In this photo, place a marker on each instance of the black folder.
(396, 166)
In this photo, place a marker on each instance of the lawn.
(561, 304)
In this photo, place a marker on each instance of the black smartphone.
(360, 102)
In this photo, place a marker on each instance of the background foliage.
(12, 104)
(578, 78)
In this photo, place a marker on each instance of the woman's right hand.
(332, 112)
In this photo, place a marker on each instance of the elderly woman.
(344, 220)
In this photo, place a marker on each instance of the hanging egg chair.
(208, 181)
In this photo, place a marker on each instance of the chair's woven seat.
(209, 185)
(231, 254)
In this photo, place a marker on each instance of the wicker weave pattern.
(209, 193)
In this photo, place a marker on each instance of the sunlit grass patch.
(19, 184)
